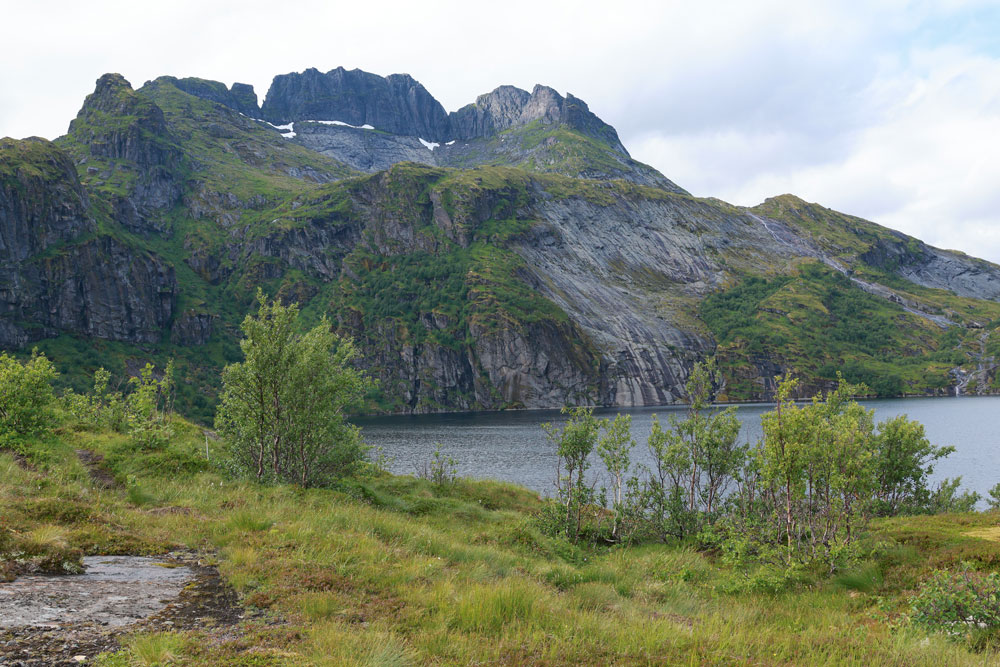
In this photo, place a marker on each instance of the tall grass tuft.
(162, 648)
(491, 608)
(865, 578)
(336, 644)
(248, 522)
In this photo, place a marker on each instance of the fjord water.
(511, 446)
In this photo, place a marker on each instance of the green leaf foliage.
(282, 409)
(25, 398)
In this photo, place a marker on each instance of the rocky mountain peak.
(240, 97)
(396, 103)
(118, 125)
(545, 104)
(508, 106)
(400, 104)
(140, 134)
(113, 95)
(503, 105)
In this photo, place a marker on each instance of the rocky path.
(66, 620)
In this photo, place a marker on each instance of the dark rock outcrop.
(192, 328)
(396, 103)
(240, 97)
(55, 274)
(101, 288)
(41, 200)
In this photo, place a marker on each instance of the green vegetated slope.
(396, 570)
(815, 323)
(555, 149)
(818, 319)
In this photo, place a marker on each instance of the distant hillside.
(509, 254)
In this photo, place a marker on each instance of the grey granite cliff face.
(39, 207)
(508, 106)
(55, 274)
(365, 150)
(625, 268)
(396, 103)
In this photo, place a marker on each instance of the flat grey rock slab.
(113, 591)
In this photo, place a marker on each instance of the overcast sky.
(887, 110)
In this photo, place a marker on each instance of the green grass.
(394, 570)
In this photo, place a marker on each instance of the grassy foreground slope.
(394, 570)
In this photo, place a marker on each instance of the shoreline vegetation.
(822, 544)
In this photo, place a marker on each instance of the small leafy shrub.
(142, 412)
(994, 499)
(282, 410)
(136, 494)
(949, 498)
(25, 398)
(441, 471)
(963, 604)
(149, 404)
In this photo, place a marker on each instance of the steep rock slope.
(57, 271)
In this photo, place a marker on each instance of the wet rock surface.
(66, 620)
(114, 590)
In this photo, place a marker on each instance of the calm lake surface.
(511, 446)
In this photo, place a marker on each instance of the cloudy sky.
(887, 110)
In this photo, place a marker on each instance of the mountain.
(508, 254)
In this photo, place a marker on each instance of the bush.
(960, 604)
(947, 498)
(142, 413)
(574, 443)
(282, 410)
(441, 471)
(994, 499)
(25, 398)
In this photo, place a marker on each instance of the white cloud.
(888, 110)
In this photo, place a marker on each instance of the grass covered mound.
(397, 570)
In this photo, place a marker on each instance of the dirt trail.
(94, 463)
